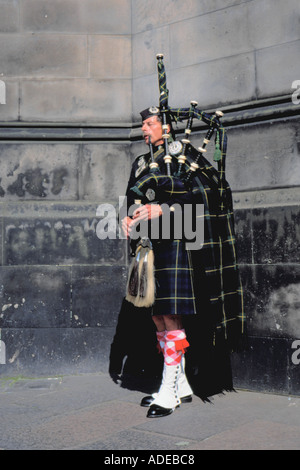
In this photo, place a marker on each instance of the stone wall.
(66, 61)
(219, 53)
(61, 286)
(76, 75)
(64, 150)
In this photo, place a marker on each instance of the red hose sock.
(175, 346)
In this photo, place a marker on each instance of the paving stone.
(261, 435)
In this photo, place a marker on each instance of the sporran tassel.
(133, 277)
(143, 276)
(141, 284)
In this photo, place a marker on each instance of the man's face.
(152, 128)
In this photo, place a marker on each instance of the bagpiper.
(188, 281)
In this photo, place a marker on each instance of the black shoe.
(156, 411)
(146, 401)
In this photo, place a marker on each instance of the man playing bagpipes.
(176, 278)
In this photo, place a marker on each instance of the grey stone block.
(266, 197)
(97, 293)
(268, 235)
(105, 171)
(264, 367)
(31, 351)
(35, 297)
(78, 100)
(271, 22)
(36, 234)
(39, 171)
(110, 56)
(171, 11)
(204, 38)
(9, 19)
(92, 16)
(272, 300)
(276, 237)
(85, 349)
(277, 68)
(214, 84)
(43, 56)
(263, 155)
(52, 351)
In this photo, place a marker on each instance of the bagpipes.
(161, 183)
(181, 178)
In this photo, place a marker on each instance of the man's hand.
(126, 223)
(146, 212)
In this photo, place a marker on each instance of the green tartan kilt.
(173, 279)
